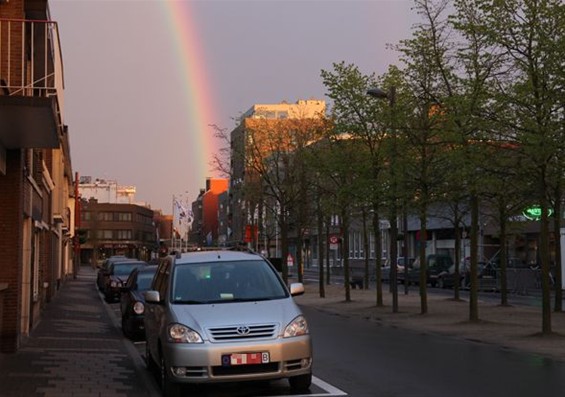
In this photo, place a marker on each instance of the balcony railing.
(31, 85)
(30, 59)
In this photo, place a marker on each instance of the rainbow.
(197, 88)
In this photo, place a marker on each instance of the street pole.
(391, 96)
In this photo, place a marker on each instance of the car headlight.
(296, 327)
(113, 284)
(179, 333)
(138, 308)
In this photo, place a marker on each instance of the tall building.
(106, 191)
(264, 130)
(36, 177)
(206, 223)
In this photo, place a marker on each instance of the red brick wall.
(11, 226)
(14, 9)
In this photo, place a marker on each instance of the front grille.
(242, 332)
(245, 369)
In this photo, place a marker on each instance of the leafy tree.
(341, 160)
(354, 113)
(274, 159)
(529, 86)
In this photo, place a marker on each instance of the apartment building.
(264, 131)
(116, 229)
(206, 210)
(36, 177)
(106, 190)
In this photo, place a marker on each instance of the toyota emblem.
(243, 330)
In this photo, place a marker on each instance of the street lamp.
(391, 96)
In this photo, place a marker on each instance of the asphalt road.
(356, 357)
(366, 359)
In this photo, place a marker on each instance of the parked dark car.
(436, 264)
(102, 274)
(117, 276)
(485, 273)
(132, 301)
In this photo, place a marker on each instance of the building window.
(124, 234)
(106, 216)
(85, 215)
(124, 217)
(104, 234)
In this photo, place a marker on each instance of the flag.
(183, 211)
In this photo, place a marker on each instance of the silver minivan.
(224, 316)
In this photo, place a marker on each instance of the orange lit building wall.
(214, 188)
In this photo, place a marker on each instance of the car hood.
(202, 317)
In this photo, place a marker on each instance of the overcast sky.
(125, 99)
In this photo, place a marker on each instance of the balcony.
(31, 84)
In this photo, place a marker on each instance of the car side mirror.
(152, 296)
(296, 289)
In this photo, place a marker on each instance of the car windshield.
(225, 282)
(144, 280)
(124, 269)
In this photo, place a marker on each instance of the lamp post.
(391, 96)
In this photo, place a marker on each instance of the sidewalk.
(515, 327)
(76, 350)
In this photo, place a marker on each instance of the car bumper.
(136, 325)
(112, 294)
(202, 363)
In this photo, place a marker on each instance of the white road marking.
(331, 390)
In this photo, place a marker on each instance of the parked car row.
(212, 316)
(124, 280)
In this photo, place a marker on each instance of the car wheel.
(300, 382)
(169, 388)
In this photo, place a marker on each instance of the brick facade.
(11, 227)
(34, 244)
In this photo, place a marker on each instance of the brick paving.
(75, 351)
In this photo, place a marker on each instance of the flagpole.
(173, 234)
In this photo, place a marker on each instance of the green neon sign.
(533, 213)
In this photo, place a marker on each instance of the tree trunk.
(328, 268)
(378, 255)
(320, 227)
(299, 257)
(284, 245)
(457, 284)
(365, 250)
(423, 262)
(503, 260)
(544, 257)
(557, 270)
(473, 293)
(345, 253)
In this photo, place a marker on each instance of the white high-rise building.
(106, 191)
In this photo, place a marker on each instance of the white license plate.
(245, 359)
